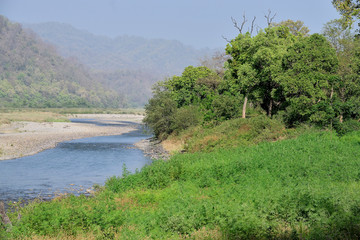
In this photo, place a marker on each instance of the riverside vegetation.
(272, 142)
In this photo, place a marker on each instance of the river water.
(71, 167)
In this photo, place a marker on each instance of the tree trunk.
(4, 217)
(270, 107)
(244, 107)
(332, 92)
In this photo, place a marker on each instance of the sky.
(200, 23)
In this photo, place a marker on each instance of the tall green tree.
(193, 86)
(256, 63)
(309, 80)
(347, 90)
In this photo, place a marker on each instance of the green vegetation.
(234, 133)
(237, 180)
(287, 75)
(304, 188)
(33, 75)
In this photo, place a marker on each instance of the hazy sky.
(200, 23)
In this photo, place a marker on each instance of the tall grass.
(304, 188)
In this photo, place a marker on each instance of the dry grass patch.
(173, 145)
(31, 116)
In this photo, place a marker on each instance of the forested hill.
(32, 74)
(129, 65)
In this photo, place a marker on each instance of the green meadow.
(303, 188)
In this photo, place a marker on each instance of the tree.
(338, 35)
(295, 27)
(160, 112)
(347, 90)
(309, 79)
(349, 9)
(255, 64)
(194, 85)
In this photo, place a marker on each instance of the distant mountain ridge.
(32, 74)
(120, 59)
(124, 52)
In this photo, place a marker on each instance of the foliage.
(349, 9)
(347, 91)
(160, 113)
(225, 107)
(185, 118)
(295, 27)
(163, 116)
(255, 64)
(195, 85)
(179, 101)
(304, 188)
(290, 75)
(309, 80)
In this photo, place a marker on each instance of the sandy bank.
(19, 139)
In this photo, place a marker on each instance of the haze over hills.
(130, 65)
(32, 74)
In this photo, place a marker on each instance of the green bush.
(225, 107)
(347, 126)
(160, 114)
(186, 117)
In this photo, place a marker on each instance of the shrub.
(186, 117)
(226, 107)
(347, 126)
(160, 114)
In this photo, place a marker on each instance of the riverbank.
(18, 139)
(153, 148)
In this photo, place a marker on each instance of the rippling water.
(72, 166)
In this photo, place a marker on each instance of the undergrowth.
(303, 188)
(233, 133)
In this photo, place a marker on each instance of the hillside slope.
(32, 74)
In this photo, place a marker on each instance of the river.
(71, 167)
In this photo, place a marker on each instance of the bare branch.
(269, 18)
(236, 24)
(225, 39)
(252, 25)
(244, 21)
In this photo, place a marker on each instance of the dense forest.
(32, 74)
(127, 64)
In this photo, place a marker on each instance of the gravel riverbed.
(19, 139)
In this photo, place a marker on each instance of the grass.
(230, 134)
(31, 116)
(303, 188)
(55, 114)
(138, 111)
